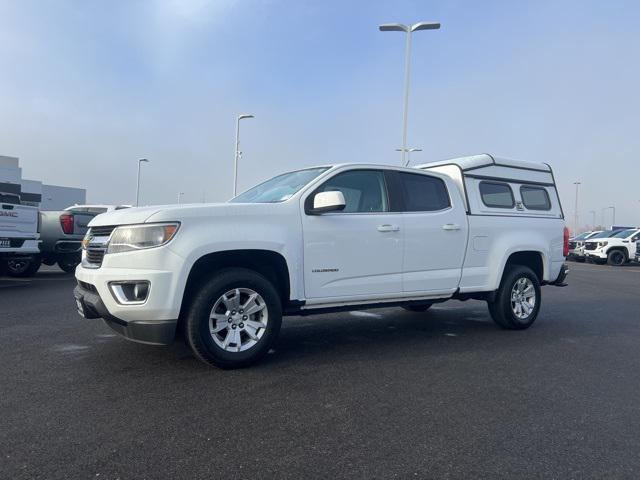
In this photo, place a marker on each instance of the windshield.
(624, 233)
(93, 210)
(280, 188)
(605, 234)
(582, 236)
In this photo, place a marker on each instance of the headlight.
(603, 244)
(140, 237)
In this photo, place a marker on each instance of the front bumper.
(153, 332)
(596, 254)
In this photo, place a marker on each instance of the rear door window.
(535, 198)
(423, 193)
(496, 195)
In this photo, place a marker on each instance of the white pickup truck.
(321, 239)
(19, 236)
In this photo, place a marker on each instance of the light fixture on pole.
(140, 162)
(408, 153)
(575, 212)
(613, 222)
(408, 30)
(614, 216)
(238, 153)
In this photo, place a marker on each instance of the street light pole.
(575, 216)
(408, 30)
(142, 160)
(235, 163)
(180, 197)
(593, 223)
(408, 153)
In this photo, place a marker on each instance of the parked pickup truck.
(19, 236)
(62, 233)
(616, 249)
(576, 245)
(328, 238)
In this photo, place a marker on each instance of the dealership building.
(34, 192)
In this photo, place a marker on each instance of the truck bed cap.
(485, 160)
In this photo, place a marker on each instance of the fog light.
(130, 292)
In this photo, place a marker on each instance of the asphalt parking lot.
(372, 394)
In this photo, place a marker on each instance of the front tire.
(517, 302)
(616, 258)
(234, 319)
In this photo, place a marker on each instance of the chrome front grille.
(94, 256)
(101, 231)
(97, 241)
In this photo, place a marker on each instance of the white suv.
(321, 239)
(616, 249)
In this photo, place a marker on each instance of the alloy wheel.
(523, 298)
(238, 319)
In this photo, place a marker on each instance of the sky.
(88, 87)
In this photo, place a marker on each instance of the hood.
(124, 216)
(170, 213)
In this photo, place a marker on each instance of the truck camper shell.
(484, 182)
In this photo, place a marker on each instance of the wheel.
(68, 266)
(616, 258)
(23, 266)
(418, 308)
(518, 299)
(233, 319)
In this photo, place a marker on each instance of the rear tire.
(418, 308)
(23, 267)
(517, 302)
(616, 258)
(215, 327)
(68, 266)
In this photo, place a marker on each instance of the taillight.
(565, 246)
(66, 222)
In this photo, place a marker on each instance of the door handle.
(388, 228)
(450, 226)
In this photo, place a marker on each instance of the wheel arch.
(533, 259)
(621, 249)
(268, 263)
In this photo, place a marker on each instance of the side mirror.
(324, 202)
